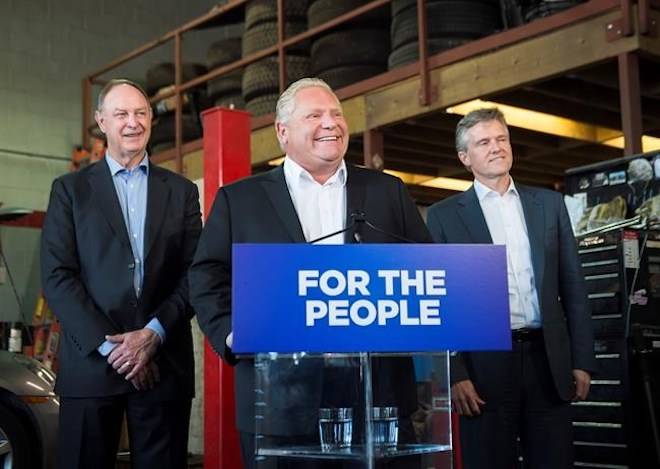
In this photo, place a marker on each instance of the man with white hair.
(311, 195)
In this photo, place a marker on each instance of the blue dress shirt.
(131, 186)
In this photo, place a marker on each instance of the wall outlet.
(3, 274)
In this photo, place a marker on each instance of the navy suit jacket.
(259, 209)
(565, 311)
(87, 277)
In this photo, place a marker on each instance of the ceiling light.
(555, 125)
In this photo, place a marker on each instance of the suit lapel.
(355, 191)
(158, 194)
(275, 186)
(535, 220)
(472, 217)
(104, 191)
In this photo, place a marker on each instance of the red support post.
(226, 159)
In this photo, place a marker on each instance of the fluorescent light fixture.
(555, 125)
(451, 184)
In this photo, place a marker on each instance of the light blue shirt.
(131, 186)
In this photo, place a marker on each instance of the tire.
(265, 11)
(344, 76)
(322, 11)
(224, 84)
(261, 105)
(447, 18)
(400, 5)
(262, 77)
(162, 75)
(547, 8)
(264, 35)
(223, 52)
(220, 53)
(351, 47)
(163, 132)
(236, 100)
(410, 52)
(15, 441)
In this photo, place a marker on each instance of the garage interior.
(580, 86)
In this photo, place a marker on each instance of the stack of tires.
(354, 51)
(225, 90)
(450, 23)
(260, 83)
(160, 78)
(541, 8)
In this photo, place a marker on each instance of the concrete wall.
(46, 47)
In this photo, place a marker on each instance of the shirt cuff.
(106, 347)
(157, 327)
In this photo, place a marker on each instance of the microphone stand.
(358, 217)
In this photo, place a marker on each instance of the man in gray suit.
(526, 392)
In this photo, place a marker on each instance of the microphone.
(356, 216)
(359, 218)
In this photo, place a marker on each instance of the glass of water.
(385, 424)
(335, 428)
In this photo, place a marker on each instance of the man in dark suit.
(527, 392)
(117, 242)
(314, 193)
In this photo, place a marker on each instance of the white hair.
(286, 102)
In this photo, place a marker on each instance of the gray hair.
(473, 118)
(115, 82)
(286, 101)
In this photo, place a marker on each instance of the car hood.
(25, 376)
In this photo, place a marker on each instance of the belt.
(527, 334)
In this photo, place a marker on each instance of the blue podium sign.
(369, 298)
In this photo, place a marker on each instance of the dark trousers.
(90, 429)
(526, 406)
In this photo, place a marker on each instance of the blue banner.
(369, 297)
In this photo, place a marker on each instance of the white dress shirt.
(321, 208)
(506, 223)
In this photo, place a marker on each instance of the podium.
(292, 388)
(349, 345)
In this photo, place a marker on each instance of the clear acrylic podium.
(292, 388)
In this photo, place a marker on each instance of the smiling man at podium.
(313, 194)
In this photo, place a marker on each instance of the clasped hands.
(132, 357)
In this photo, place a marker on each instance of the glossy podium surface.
(393, 409)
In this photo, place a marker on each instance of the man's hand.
(135, 350)
(582, 383)
(147, 378)
(464, 398)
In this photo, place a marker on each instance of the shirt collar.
(116, 167)
(294, 173)
(483, 191)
